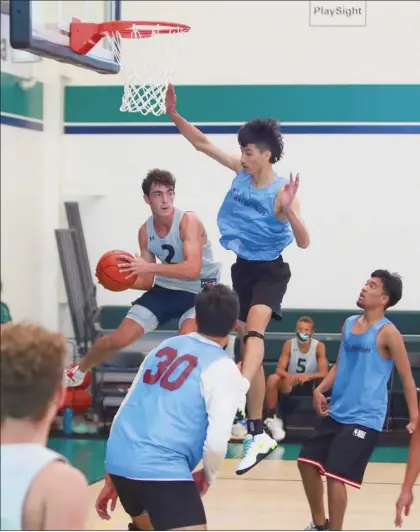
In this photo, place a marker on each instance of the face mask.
(303, 338)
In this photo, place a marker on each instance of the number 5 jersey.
(179, 410)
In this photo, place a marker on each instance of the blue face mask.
(303, 338)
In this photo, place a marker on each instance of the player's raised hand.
(404, 502)
(287, 194)
(170, 100)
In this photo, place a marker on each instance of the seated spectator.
(302, 361)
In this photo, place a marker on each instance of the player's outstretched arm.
(222, 385)
(393, 341)
(58, 499)
(196, 137)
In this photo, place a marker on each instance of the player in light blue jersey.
(179, 241)
(39, 489)
(178, 411)
(342, 445)
(258, 219)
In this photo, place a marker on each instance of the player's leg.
(143, 317)
(275, 386)
(187, 323)
(170, 505)
(312, 462)
(346, 465)
(269, 282)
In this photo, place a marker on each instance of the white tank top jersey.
(169, 250)
(303, 362)
(20, 464)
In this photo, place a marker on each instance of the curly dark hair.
(265, 134)
(157, 177)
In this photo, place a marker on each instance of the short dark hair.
(265, 134)
(216, 310)
(392, 284)
(157, 177)
(32, 365)
(306, 319)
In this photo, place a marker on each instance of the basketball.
(108, 274)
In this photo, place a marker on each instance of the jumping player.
(412, 472)
(179, 410)
(345, 439)
(302, 362)
(258, 219)
(39, 489)
(179, 240)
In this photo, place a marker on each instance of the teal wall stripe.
(239, 103)
(26, 103)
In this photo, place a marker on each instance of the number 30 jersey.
(180, 406)
(170, 250)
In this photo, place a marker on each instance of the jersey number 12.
(167, 366)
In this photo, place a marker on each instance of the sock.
(132, 526)
(255, 426)
(324, 526)
(270, 412)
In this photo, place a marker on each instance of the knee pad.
(253, 334)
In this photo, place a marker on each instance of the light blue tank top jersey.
(160, 428)
(247, 222)
(170, 250)
(360, 391)
(20, 464)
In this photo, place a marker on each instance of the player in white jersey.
(301, 363)
(179, 240)
(179, 411)
(39, 489)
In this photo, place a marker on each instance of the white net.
(147, 63)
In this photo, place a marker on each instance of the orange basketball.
(108, 274)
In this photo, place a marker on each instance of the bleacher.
(112, 379)
(328, 329)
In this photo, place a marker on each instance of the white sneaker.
(275, 427)
(255, 449)
(73, 376)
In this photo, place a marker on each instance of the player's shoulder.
(387, 329)
(59, 476)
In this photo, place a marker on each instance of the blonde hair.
(32, 364)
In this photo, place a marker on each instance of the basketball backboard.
(43, 28)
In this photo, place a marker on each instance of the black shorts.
(260, 283)
(170, 504)
(162, 305)
(340, 451)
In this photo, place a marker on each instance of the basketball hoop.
(147, 73)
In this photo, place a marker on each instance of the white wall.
(349, 190)
(359, 199)
(272, 42)
(30, 199)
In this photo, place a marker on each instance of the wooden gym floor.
(271, 497)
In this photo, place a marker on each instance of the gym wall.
(359, 190)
